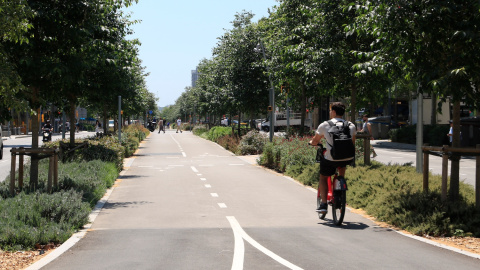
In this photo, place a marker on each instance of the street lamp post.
(271, 107)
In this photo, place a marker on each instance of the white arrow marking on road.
(239, 252)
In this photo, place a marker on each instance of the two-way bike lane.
(186, 203)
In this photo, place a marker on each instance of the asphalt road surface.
(397, 153)
(186, 203)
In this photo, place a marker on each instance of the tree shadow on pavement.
(116, 205)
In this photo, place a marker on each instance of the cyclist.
(327, 164)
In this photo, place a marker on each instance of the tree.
(435, 43)
(243, 77)
(14, 24)
(54, 61)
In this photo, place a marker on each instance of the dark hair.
(365, 115)
(339, 108)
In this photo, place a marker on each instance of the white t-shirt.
(323, 130)
(179, 122)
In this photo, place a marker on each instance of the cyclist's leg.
(323, 187)
(327, 169)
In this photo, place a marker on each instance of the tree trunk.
(239, 123)
(434, 110)
(353, 105)
(303, 108)
(35, 129)
(105, 120)
(455, 167)
(72, 123)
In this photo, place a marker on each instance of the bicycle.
(336, 195)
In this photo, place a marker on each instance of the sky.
(176, 35)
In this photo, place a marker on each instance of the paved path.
(186, 203)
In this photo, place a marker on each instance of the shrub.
(394, 194)
(28, 219)
(199, 130)
(283, 153)
(216, 132)
(252, 143)
(91, 179)
(106, 149)
(229, 142)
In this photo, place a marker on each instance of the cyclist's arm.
(316, 139)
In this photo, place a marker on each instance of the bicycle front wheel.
(338, 206)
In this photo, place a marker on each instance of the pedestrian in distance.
(328, 165)
(161, 126)
(179, 125)
(98, 127)
(450, 134)
(367, 129)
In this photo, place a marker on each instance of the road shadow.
(129, 176)
(346, 225)
(118, 205)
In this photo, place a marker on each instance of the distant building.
(194, 77)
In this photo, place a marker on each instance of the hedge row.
(35, 217)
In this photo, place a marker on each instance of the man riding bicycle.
(328, 165)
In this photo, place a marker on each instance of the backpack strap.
(343, 122)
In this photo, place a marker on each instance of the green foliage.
(40, 218)
(252, 143)
(216, 132)
(90, 178)
(283, 153)
(393, 194)
(107, 148)
(229, 142)
(36, 217)
(200, 129)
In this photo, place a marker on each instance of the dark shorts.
(328, 167)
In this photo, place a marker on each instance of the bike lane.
(186, 203)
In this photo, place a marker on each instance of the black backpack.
(342, 147)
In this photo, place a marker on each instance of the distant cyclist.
(328, 165)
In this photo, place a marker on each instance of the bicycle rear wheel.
(338, 207)
(319, 201)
